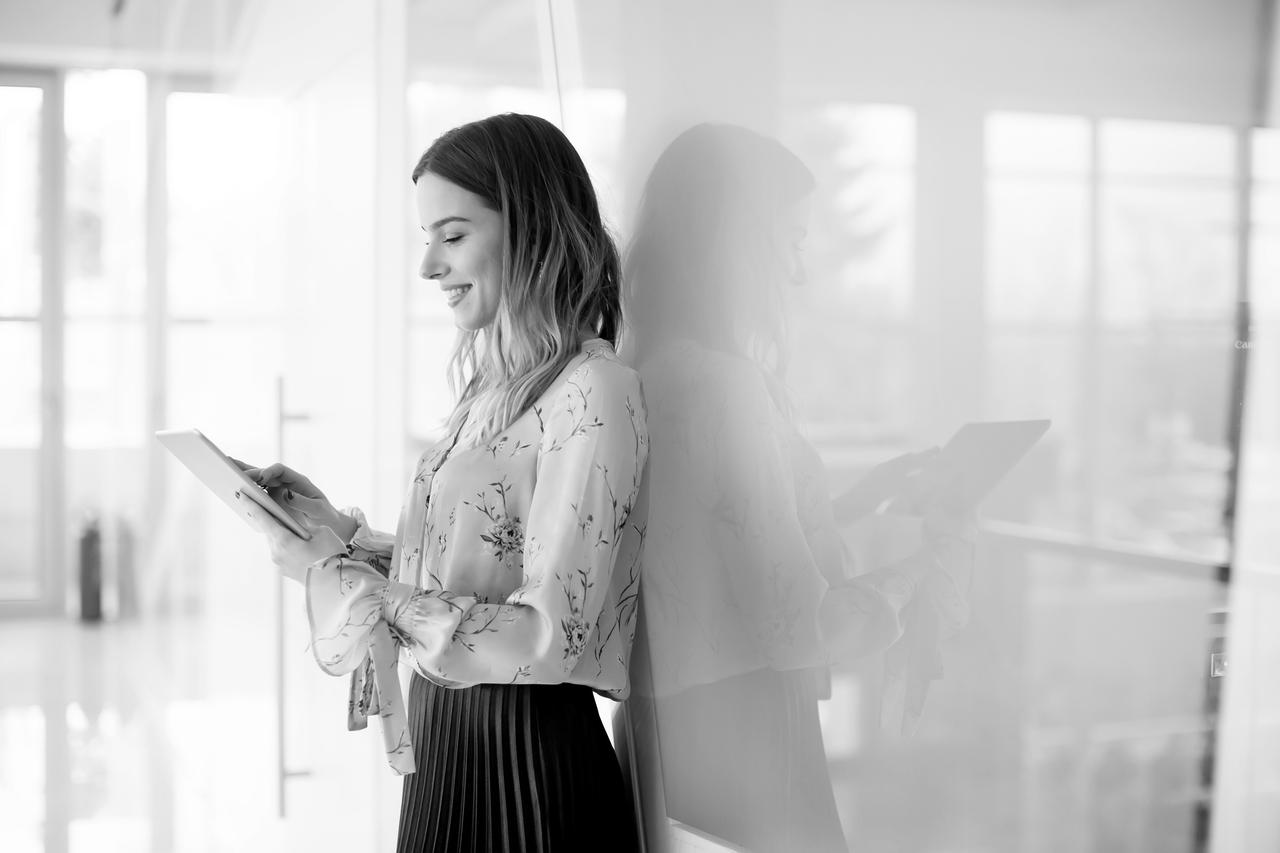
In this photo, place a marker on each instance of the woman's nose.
(433, 266)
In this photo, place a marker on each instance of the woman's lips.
(457, 293)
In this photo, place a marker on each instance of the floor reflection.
(114, 737)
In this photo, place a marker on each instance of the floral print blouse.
(514, 561)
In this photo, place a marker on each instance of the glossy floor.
(157, 736)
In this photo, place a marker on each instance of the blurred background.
(1026, 209)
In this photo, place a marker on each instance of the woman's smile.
(455, 293)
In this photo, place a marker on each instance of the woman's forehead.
(438, 198)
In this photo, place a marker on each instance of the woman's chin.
(467, 323)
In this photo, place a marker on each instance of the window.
(21, 341)
(854, 313)
(1110, 307)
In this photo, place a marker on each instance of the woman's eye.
(455, 238)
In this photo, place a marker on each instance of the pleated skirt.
(504, 767)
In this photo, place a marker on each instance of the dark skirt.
(743, 759)
(505, 767)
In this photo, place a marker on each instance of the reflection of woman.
(509, 585)
(747, 593)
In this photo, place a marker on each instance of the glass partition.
(957, 261)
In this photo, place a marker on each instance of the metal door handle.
(282, 769)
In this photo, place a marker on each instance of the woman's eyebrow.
(441, 222)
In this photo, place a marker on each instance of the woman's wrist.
(348, 526)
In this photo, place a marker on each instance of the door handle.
(283, 773)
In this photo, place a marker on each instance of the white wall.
(1171, 59)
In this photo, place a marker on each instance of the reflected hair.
(701, 263)
(560, 266)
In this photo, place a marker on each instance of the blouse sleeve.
(938, 609)
(374, 547)
(591, 455)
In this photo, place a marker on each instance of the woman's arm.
(592, 452)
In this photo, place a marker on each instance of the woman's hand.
(946, 521)
(279, 475)
(888, 479)
(300, 498)
(291, 553)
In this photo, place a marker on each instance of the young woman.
(510, 584)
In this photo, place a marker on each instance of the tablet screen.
(978, 457)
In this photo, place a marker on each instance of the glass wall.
(967, 261)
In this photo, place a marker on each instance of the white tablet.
(978, 457)
(224, 477)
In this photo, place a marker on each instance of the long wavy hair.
(701, 263)
(560, 266)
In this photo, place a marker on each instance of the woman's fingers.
(293, 503)
(925, 455)
(928, 471)
(915, 463)
(250, 471)
(280, 494)
(274, 474)
(310, 507)
(905, 465)
(279, 474)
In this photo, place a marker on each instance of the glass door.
(30, 421)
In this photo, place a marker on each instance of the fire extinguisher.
(91, 572)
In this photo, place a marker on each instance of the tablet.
(224, 477)
(976, 458)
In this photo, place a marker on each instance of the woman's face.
(790, 231)
(464, 239)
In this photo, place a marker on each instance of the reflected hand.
(291, 553)
(946, 521)
(888, 479)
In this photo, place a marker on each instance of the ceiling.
(180, 35)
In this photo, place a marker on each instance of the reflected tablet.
(978, 457)
(223, 477)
